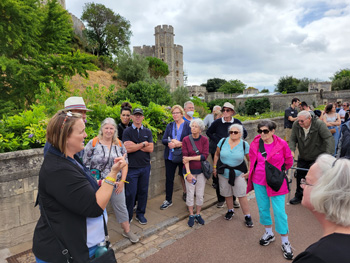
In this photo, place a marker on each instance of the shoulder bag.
(177, 152)
(274, 177)
(206, 166)
(107, 257)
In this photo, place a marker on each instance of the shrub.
(220, 102)
(253, 106)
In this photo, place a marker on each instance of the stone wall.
(19, 181)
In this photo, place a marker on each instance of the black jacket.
(68, 198)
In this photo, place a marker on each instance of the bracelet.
(111, 179)
(109, 182)
(214, 166)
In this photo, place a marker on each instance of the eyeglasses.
(68, 114)
(263, 131)
(303, 181)
(234, 132)
(138, 115)
(227, 110)
(302, 121)
(175, 113)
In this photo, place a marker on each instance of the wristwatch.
(144, 145)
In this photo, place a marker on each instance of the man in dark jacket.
(313, 138)
(218, 130)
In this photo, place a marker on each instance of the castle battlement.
(164, 29)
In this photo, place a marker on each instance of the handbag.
(177, 152)
(96, 173)
(107, 257)
(274, 177)
(207, 169)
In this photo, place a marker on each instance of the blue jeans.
(91, 254)
(278, 206)
(138, 179)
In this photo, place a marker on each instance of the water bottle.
(169, 140)
(101, 249)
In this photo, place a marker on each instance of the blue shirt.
(232, 157)
(177, 137)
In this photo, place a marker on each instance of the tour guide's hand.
(120, 187)
(119, 163)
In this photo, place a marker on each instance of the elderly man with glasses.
(312, 137)
(344, 112)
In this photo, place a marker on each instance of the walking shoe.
(214, 185)
(248, 221)
(236, 204)
(229, 215)
(141, 218)
(184, 195)
(166, 204)
(220, 204)
(132, 237)
(266, 239)
(287, 251)
(199, 219)
(190, 222)
(294, 201)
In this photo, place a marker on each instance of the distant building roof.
(258, 95)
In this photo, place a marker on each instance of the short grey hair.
(199, 122)
(331, 194)
(108, 121)
(188, 102)
(237, 126)
(305, 113)
(216, 106)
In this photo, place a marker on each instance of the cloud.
(256, 41)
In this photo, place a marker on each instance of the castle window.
(162, 50)
(177, 73)
(177, 83)
(177, 63)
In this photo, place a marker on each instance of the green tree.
(30, 52)
(253, 106)
(180, 96)
(287, 84)
(214, 84)
(109, 31)
(303, 84)
(265, 91)
(143, 92)
(341, 80)
(132, 68)
(232, 86)
(157, 68)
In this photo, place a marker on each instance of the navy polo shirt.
(289, 112)
(138, 159)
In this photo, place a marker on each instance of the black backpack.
(344, 141)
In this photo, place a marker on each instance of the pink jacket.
(280, 150)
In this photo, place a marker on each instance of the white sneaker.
(132, 237)
(287, 251)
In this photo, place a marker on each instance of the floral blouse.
(97, 157)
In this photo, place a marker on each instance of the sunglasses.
(234, 132)
(227, 110)
(263, 131)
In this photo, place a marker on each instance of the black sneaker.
(266, 239)
(287, 251)
(248, 221)
(166, 204)
(190, 221)
(199, 219)
(229, 215)
(142, 220)
(294, 201)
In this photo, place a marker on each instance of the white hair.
(188, 102)
(237, 126)
(331, 194)
(199, 122)
(109, 121)
(305, 113)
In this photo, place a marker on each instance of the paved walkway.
(167, 238)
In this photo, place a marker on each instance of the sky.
(254, 41)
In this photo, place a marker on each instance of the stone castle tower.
(167, 51)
